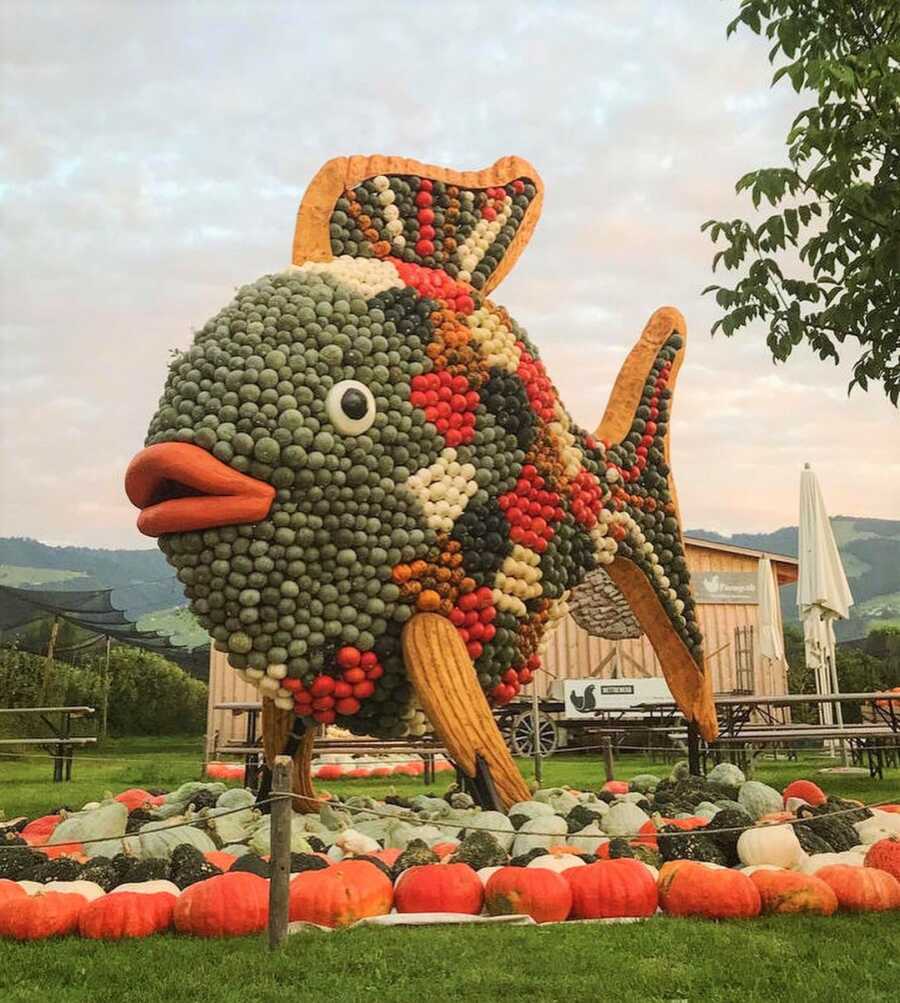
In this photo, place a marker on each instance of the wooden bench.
(62, 751)
(61, 745)
(869, 742)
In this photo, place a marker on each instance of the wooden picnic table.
(251, 749)
(737, 709)
(61, 744)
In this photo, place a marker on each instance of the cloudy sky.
(153, 156)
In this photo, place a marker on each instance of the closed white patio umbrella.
(771, 642)
(823, 594)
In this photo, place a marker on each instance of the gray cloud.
(154, 155)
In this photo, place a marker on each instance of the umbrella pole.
(838, 710)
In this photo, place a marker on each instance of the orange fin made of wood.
(276, 726)
(689, 683)
(444, 678)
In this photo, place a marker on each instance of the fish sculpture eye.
(351, 407)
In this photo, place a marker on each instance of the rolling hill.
(147, 590)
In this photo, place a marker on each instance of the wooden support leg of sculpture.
(446, 684)
(286, 735)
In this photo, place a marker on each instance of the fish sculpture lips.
(181, 488)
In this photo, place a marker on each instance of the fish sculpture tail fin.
(647, 523)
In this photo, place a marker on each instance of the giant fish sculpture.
(375, 500)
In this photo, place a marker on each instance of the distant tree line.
(863, 667)
(148, 695)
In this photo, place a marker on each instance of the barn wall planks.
(225, 686)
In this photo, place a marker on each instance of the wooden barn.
(723, 579)
(724, 583)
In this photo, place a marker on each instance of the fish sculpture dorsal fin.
(346, 210)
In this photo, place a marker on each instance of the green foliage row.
(148, 695)
(873, 666)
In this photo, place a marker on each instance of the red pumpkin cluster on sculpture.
(541, 393)
(473, 616)
(449, 403)
(512, 681)
(531, 510)
(435, 283)
(327, 696)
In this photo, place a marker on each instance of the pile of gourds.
(563, 855)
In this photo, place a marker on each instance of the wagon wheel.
(522, 734)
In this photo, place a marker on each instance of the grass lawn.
(779, 958)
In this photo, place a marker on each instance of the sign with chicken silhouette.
(374, 496)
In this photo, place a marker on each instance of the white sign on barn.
(584, 697)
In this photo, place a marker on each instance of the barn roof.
(786, 568)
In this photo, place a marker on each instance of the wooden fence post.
(608, 759)
(280, 860)
(536, 725)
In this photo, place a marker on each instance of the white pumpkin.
(654, 873)
(30, 887)
(817, 861)
(351, 841)
(624, 819)
(148, 887)
(753, 868)
(588, 839)
(881, 825)
(770, 844)
(86, 889)
(558, 862)
(793, 804)
(485, 874)
(540, 833)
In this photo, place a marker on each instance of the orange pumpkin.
(862, 889)
(9, 891)
(611, 888)
(689, 888)
(329, 771)
(687, 824)
(537, 892)
(134, 797)
(789, 892)
(616, 786)
(228, 905)
(388, 856)
(446, 848)
(811, 793)
(220, 859)
(885, 856)
(439, 888)
(124, 915)
(42, 826)
(73, 850)
(340, 895)
(775, 817)
(42, 915)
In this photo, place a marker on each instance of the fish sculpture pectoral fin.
(689, 684)
(442, 674)
(688, 679)
(280, 737)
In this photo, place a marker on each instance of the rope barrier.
(457, 824)
(159, 828)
